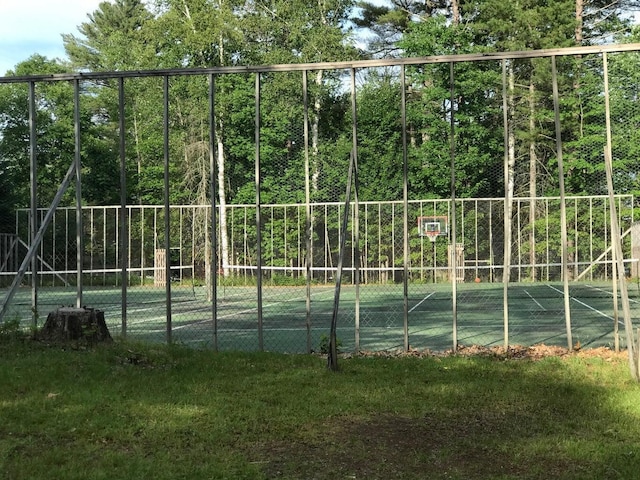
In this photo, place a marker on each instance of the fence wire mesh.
(224, 224)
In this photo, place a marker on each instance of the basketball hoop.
(430, 229)
(432, 226)
(432, 235)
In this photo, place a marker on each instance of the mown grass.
(131, 411)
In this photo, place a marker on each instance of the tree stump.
(69, 323)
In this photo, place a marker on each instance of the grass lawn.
(131, 411)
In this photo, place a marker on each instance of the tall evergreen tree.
(386, 24)
(112, 39)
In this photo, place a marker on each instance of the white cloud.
(35, 26)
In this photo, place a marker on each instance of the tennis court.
(429, 224)
(371, 317)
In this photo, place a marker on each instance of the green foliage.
(477, 112)
(280, 280)
(136, 35)
(11, 331)
(54, 119)
(323, 345)
(114, 38)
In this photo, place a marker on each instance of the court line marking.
(241, 312)
(610, 293)
(583, 304)
(535, 301)
(421, 301)
(233, 314)
(220, 317)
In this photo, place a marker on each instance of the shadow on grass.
(470, 419)
(131, 411)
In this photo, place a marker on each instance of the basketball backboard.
(433, 225)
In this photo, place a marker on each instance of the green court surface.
(370, 316)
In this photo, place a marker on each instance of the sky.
(28, 27)
(36, 26)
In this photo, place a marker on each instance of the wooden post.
(160, 270)
(616, 240)
(8, 252)
(563, 205)
(635, 250)
(456, 262)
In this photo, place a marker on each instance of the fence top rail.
(355, 64)
(361, 202)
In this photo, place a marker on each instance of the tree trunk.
(455, 12)
(75, 324)
(136, 138)
(533, 168)
(222, 202)
(315, 132)
(510, 170)
(220, 160)
(512, 137)
(579, 21)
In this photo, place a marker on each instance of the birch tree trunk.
(315, 133)
(222, 201)
(579, 21)
(533, 172)
(510, 169)
(223, 238)
(455, 12)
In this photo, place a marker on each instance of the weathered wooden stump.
(69, 323)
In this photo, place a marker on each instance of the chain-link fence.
(474, 189)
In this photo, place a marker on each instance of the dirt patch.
(513, 352)
(438, 445)
(399, 447)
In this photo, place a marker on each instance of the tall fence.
(480, 228)
(476, 213)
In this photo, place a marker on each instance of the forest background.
(127, 35)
